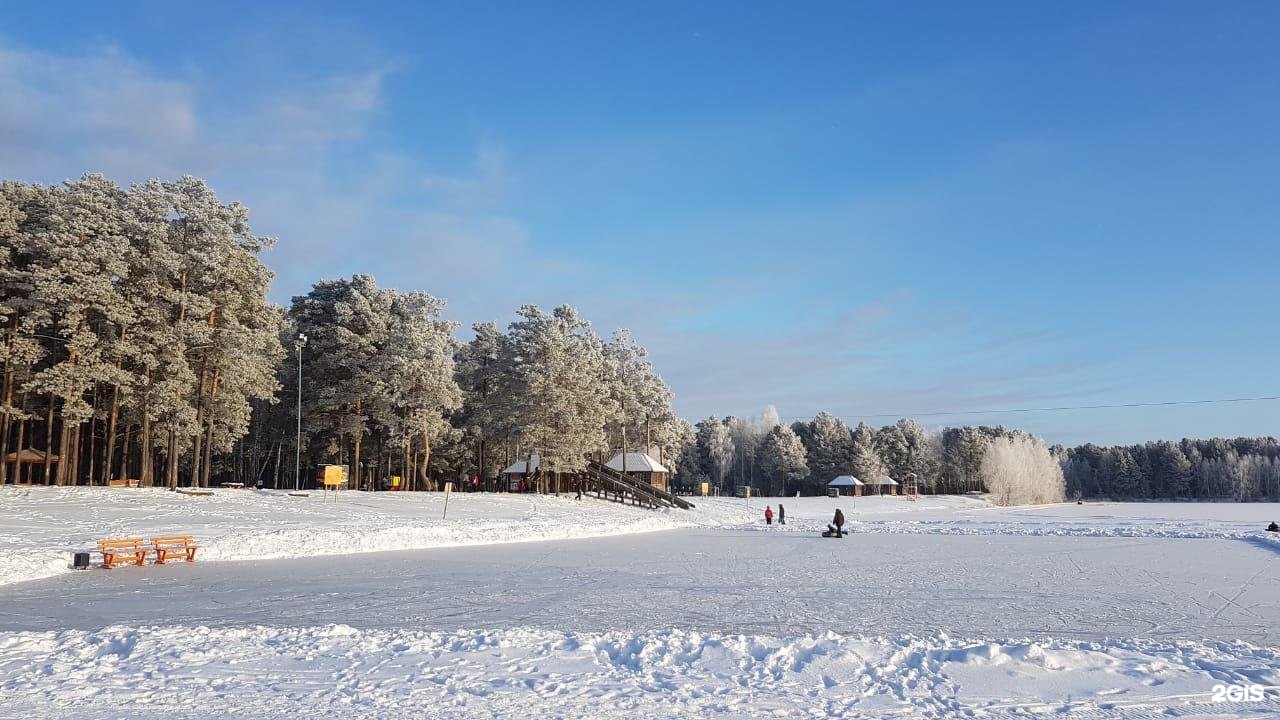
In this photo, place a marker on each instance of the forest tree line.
(138, 342)
(804, 456)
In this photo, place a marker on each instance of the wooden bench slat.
(165, 545)
(121, 551)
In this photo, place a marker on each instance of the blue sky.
(865, 208)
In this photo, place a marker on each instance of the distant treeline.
(1241, 468)
(805, 456)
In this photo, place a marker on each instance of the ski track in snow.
(336, 670)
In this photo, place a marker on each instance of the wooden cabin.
(844, 485)
(641, 467)
(517, 472)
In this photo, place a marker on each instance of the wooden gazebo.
(28, 457)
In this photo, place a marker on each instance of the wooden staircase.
(624, 488)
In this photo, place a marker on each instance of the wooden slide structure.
(606, 481)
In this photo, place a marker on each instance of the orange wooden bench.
(120, 552)
(174, 546)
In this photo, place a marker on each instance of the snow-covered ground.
(944, 607)
(40, 527)
(335, 671)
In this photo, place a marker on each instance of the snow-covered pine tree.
(716, 450)
(829, 448)
(559, 387)
(485, 417)
(417, 370)
(865, 462)
(782, 458)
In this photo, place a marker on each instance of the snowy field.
(945, 607)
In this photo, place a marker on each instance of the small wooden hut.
(844, 485)
(641, 467)
(883, 485)
(517, 471)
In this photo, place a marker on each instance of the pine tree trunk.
(355, 465)
(171, 472)
(17, 465)
(147, 476)
(124, 456)
(208, 455)
(113, 419)
(64, 459)
(5, 423)
(91, 458)
(409, 479)
(426, 455)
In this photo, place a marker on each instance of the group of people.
(768, 515)
(835, 529)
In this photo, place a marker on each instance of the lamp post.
(297, 449)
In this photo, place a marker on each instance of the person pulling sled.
(836, 528)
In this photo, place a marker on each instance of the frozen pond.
(748, 582)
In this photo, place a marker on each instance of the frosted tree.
(1019, 470)
(558, 384)
(416, 368)
(829, 445)
(24, 216)
(782, 458)
(641, 401)
(75, 290)
(865, 461)
(963, 450)
(347, 324)
(682, 456)
(923, 453)
(716, 449)
(1127, 476)
(485, 417)
(747, 435)
(891, 446)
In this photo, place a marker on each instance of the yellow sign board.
(335, 476)
(706, 489)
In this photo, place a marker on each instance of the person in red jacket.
(768, 515)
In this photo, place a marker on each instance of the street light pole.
(297, 449)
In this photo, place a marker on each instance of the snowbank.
(336, 670)
(41, 527)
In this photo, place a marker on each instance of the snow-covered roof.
(517, 467)
(636, 462)
(883, 480)
(845, 481)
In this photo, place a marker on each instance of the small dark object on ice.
(833, 532)
(1273, 527)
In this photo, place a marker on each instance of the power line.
(937, 413)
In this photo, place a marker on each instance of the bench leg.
(160, 555)
(140, 558)
(107, 560)
(191, 554)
